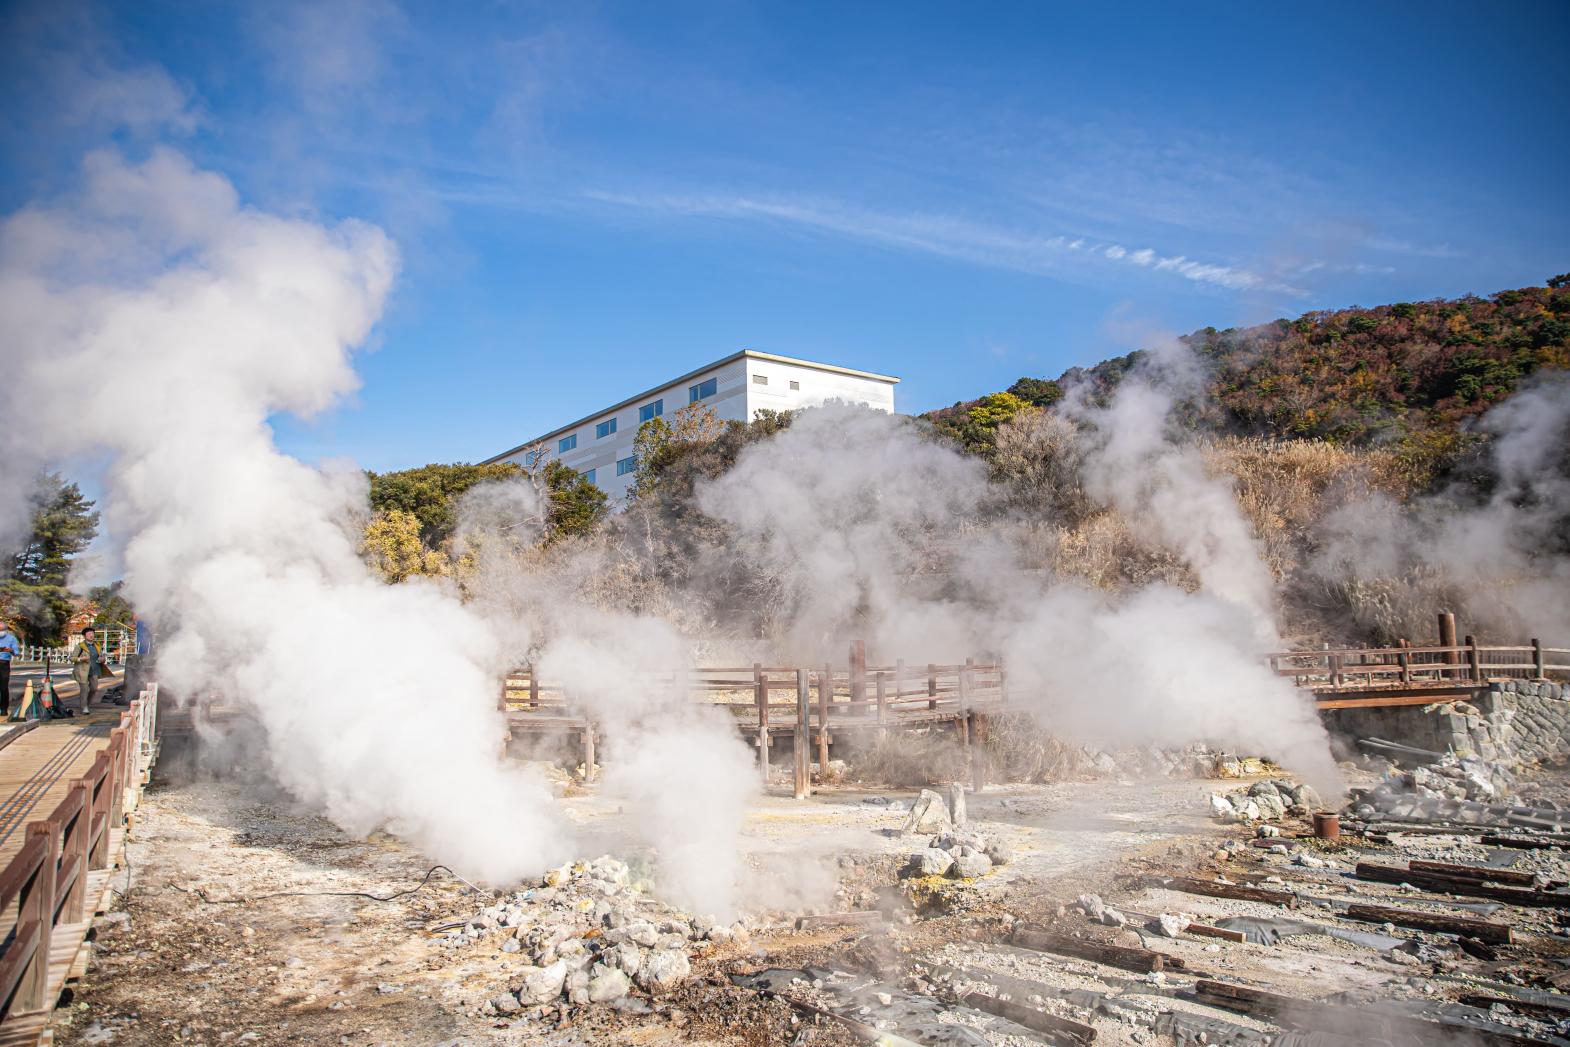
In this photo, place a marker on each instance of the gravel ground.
(172, 967)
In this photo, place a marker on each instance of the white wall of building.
(743, 385)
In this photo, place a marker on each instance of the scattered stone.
(1112, 918)
(970, 866)
(607, 984)
(505, 1003)
(928, 807)
(931, 862)
(661, 970)
(1093, 905)
(957, 812)
(1171, 925)
(545, 984)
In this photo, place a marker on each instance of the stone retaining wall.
(1524, 721)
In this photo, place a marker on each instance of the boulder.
(1000, 852)
(1093, 905)
(643, 933)
(971, 866)
(957, 804)
(1171, 924)
(607, 984)
(662, 970)
(931, 862)
(928, 809)
(545, 984)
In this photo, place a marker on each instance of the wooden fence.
(52, 887)
(821, 701)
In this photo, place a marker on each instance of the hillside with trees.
(1409, 374)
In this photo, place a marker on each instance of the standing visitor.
(9, 648)
(89, 667)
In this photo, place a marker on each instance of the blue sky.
(590, 198)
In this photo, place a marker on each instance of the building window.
(626, 465)
(760, 379)
(650, 411)
(589, 476)
(795, 387)
(566, 443)
(604, 429)
(702, 390)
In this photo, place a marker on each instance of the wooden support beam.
(825, 695)
(1435, 883)
(1447, 638)
(839, 919)
(760, 686)
(1205, 930)
(1129, 959)
(1345, 1020)
(1438, 923)
(1235, 891)
(1525, 843)
(803, 741)
(1479, 873)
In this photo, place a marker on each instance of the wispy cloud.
(950, 237)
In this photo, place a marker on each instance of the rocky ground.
(239, 921)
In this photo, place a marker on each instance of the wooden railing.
(45, 885)
(1405, 667)
(822, 700)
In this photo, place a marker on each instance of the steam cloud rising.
(156, 321)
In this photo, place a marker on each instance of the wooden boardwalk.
(37, 769)
(68, 789)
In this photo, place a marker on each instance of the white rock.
(544, 984)
(661, 970)
(607, 983)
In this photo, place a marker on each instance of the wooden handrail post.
(1474, 660)
(1538, 662)
(1405, 661)
(825, 696)
(534, 689)
(74, 852)
(803, 782)
(858, 671)
(99, 794)
(879, 680)
(37, 902)
(1447, 638)
(761, 698)
(932, 686)
(588, 750)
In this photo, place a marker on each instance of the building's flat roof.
(752, 354)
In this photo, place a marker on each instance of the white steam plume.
(872, 531)
(1502, 561)
(153, 319)
(676, 768)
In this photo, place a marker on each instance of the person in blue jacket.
(10, 647)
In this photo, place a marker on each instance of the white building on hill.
(600, 444)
